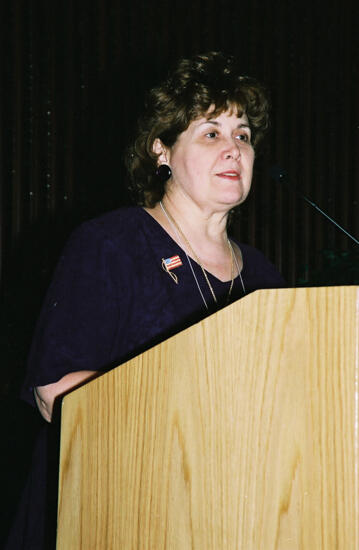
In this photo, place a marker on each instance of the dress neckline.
(159, 227)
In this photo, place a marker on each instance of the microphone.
(280, 176)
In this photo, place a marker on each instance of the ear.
(163, 155)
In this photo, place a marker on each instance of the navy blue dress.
(111, 299)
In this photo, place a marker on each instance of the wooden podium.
(239, 433)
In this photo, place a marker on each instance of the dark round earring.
(163, 172)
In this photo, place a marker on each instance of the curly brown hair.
(195, 85)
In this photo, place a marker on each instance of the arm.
(46, 395)
(77, 332)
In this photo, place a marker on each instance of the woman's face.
(212, 162)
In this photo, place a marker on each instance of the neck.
(202, 239)
(200, 226)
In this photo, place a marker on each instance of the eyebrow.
(216, 123)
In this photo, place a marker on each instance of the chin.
(234, 197)
(231, 201)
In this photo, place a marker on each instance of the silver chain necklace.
(177, 231)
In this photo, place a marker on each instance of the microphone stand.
(280, 176)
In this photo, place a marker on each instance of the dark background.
(73, 78)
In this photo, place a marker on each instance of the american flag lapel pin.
(171, 263)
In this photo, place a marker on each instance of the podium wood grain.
(241, 432)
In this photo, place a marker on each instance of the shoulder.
(258, 271)
(252, 254)
(99, 246)
(116, 230)
(113, 225)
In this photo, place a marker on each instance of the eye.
(212, 135)
(244, 137)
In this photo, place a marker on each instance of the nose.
(233, 150)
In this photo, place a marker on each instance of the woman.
(135, 276)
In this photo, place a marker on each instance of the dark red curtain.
(73, 78)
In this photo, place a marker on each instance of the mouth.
(231, 175)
